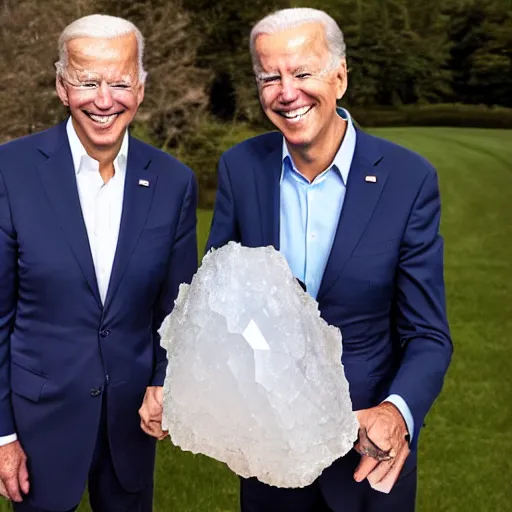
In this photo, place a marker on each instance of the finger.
(13, 489)
(164, 435)
(159, 396)
(378, 436)
(366, 465)
(144, 413)
(23, 477)
(366, 446)
(153, 429)
(145, 427)
(3, 490)
(380, 471)
(155, 417)
(388, 481)
(156, 428)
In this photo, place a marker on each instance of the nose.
(104, 99)
(289, 91)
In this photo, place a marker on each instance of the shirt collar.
(343, 158)
(81, 160)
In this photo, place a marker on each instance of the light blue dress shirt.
(309, 217)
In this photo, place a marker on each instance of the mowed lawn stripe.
(466, 449)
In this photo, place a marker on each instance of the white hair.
(295, 17)
(99, 26)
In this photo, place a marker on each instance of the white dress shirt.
(102, 206)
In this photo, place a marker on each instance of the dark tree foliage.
(481, 52)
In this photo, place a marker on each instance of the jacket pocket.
(26, 383)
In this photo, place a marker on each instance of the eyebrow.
(91, 77)
(263, 76)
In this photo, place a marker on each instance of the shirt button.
(313, 236)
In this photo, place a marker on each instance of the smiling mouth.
(297, 114)
(101, 119)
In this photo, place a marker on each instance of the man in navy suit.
(97, 231)
(357, 219)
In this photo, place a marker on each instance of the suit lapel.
(267, 176)
(59, 181)
(136, 204)
(360, 201)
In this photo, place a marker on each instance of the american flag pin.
(371, 179)
(144, 183)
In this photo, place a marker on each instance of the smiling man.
(357, 219)
(97, 231)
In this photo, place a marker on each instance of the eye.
(269, 79)
(120, 86)
(89, 85)
(303, 75)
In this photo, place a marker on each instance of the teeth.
(102, 119)
(296, 113)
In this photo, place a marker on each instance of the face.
(101, 88)
(297, 86)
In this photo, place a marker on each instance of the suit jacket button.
(104, 333)
(95, 392)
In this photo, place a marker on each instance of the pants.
(334, 491)
(105, 492)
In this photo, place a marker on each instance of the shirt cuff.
(402, 406)
(8, 439)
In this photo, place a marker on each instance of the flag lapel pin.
(371, 179)
(144, 183)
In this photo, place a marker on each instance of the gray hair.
(100, 26)
(289, 18)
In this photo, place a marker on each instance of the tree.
(481, 55)
(176, 90)
(28, 37)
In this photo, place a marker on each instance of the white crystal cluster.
(254, 377)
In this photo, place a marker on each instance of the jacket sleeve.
(224, 226)
(182, 266)
(8, 293)
(421, 310)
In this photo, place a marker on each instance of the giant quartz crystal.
(254, 377)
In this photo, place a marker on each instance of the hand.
(13, 471)
(151, 412)
(383, 446)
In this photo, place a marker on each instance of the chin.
(295, 139)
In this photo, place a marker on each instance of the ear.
(140, 94)
(62, 92)
(341, 79)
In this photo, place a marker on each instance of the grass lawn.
(466, 448)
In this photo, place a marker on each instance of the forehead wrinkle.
(85, 68)
(92, 53)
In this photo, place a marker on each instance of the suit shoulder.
(162, 161)
(258, 146)
(20, 146)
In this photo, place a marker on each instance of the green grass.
(465, 461)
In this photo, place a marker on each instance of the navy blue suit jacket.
(60, 348)
(383, 284)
